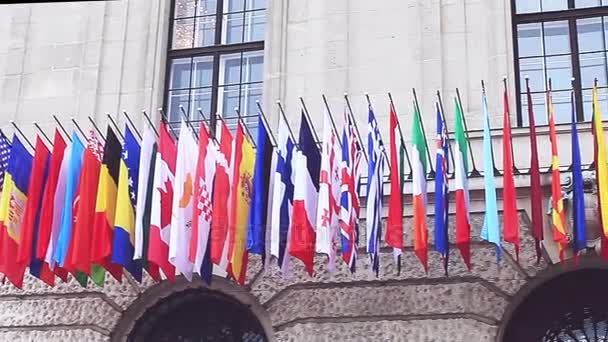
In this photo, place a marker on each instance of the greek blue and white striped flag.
(375, 173)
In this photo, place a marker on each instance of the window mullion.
(214, 91)
(576, 69)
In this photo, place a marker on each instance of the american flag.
(5, 151)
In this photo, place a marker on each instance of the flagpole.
(46, 137)
(426, 143)
(149, 121)
(131, 123)
(352, 116)
(483, 89)
(115, 126)
(407, 155)
(265, 123)
(97, 128)
(331, 118)
(474, 172)
(238, 113)
(187, 120)
(62, 128)
(445, 127)
(387, 160)
(307, 115)
(286, 122)
(515, 169)
(78, 128)
(164, 119)
(22, 135)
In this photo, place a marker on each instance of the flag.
(442, 200)
(145, 191)
(162, 200)
(491, 229)
(123, 244)
(461, 188)
(70, 201)
(181, 209)
(201, 219)
(47, 236)
(244, 160)
(282, 200)
(221, 198)
(509, 195)
(536, 193)
(578, 197)
(394, 221)
(269, 198)
(601, 163)
(375, 186)
(305, 197)
(5, 151)
(256, 231)
(31, 217)
(79, 254)
(105, 206)
(12, 208)
(328, 210)
(349, 194)
(558, 214)
(421, 237)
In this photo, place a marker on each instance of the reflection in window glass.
(255, 22)
(205, 31)
(183, 33)
(527, 6)
(562, 109)
(593, 65)
(602, 96)
(177, 98)
(590, 35)
(202, 71)
(587, 3)
(184, 8)
(200, 98)
(533, 68)
(538, 106)
(256, 4)
(529, 40)
(206, 7)
(180, 73)
(554, 5)
(234, 28)
(559, 71)
(234, 6)
(557, 37)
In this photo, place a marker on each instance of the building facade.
(92, 59)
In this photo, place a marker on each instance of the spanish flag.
(244, 160)
(558, 215)
(12, 209)
(105, 206)
(600, 165)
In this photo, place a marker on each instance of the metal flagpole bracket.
(22, 135)
(354, 122)
(149, 121)
(46, 137)
(65, 132)
(265, 123)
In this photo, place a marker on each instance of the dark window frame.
(571, 15)
(214, 51)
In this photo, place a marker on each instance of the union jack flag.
(349, 198)
(5, 151)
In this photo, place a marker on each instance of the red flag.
(30, 223)
(162, 199)
(221, 195)
(79, 253)
(536, 194)
(394, 221)
(558, 214)
(510, 217)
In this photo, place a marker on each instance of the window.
(565, 41)
(216, 59)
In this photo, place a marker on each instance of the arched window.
(198, 315)
(571, 307)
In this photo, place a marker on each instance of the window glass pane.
(184, 8)
(602, 96)
(556, 37)
(527, 6)
(180, 73)
(233, 32)
(538, 109)
(183, 33)
(529, 40)
(559, 70)
(255, 4)
(590, 36)
(200, 98)
(253, 67)
(205, 31)
(554, 5)
(177, 98)
(255, 23)
(250, 93)
(593, 65)
(533, 68)
(206, 7)
(229, 96)
(202, 71)
(561, 106)
(234, 6)
(586, 3)
(230, 69)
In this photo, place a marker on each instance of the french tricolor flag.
(306, 197)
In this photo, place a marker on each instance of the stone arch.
(221, 292)
(556, 297)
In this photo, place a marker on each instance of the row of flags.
(88, 207)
